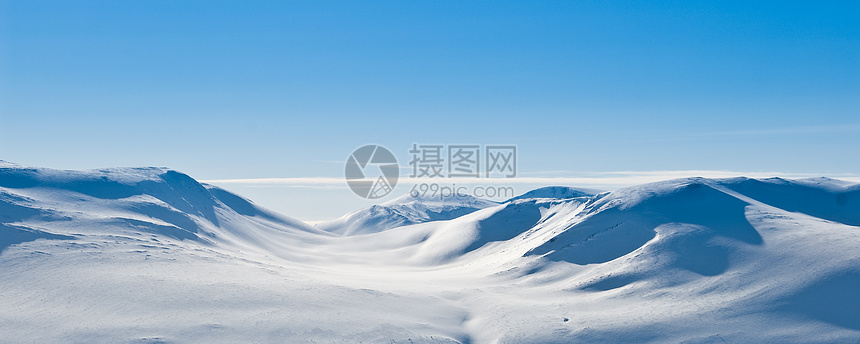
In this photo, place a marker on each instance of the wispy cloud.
(803, 130)
(602, 180)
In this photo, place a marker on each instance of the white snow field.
(149, 255)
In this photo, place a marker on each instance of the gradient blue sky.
(235, 90)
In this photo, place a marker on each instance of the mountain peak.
(437, 200)
(557, 192)
(402, 211)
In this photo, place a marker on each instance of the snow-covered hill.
(149, 255)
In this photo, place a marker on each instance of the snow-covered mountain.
(555, 192)
(402, 211)
(150, 202)
(152, 256)
(409, 210)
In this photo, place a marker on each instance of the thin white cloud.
(603, 180)
(805, 130)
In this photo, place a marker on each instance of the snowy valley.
(150, 255)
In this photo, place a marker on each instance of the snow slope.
(151, 256)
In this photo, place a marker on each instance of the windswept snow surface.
(149, 255)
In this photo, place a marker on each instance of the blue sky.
(238, 90)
